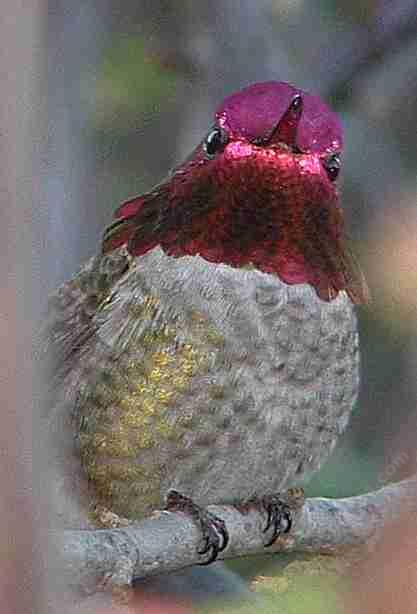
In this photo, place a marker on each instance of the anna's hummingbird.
(211, 347)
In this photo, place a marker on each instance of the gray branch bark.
(167, 542)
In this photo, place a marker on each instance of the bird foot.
(214, 532)
(278, 517)
(280, 510)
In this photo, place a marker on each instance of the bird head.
(260, 189)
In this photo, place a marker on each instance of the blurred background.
(127, 89)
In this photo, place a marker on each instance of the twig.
(168, 542)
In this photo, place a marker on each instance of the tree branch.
(167, 542)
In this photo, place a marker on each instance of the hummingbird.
(210, 349)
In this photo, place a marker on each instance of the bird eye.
(215, 141)
(332, 165)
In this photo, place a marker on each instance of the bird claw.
(280, 511)
(279, 516)
(215, 536)
(214, 533)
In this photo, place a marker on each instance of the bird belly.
(219, 383)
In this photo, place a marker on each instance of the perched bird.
(211, 349)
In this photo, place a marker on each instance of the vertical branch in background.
(20, 64)
(74, 218)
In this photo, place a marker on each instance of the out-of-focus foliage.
(311, 586)
(132, 82)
